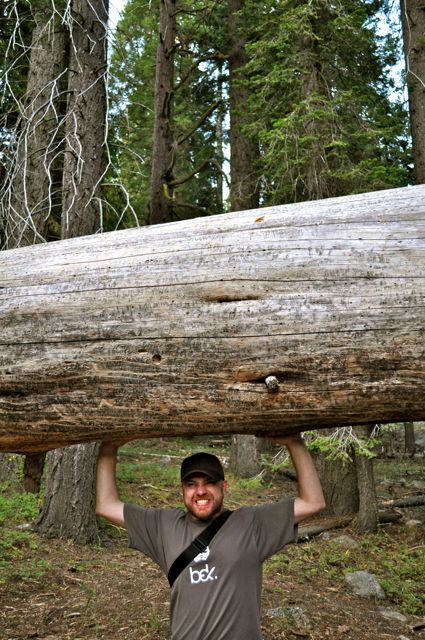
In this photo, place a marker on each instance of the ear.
(225, 486)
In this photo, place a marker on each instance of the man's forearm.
(108, 503)
(310, 498)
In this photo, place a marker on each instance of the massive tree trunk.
(84, 163)
(339, 483)
(163, 152)
(413, 23)
(173, 329)
(68, 508)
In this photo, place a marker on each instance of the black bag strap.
(198, 545)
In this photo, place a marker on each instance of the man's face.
(202, 497)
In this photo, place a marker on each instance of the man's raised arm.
(108, 503)
(310, 499)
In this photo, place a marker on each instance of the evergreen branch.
(186, 178)
(201, 120)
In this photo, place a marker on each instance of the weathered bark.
(367, 516)
(338, 522)
(85, 133)
(339, 483)
(324, 524)
(244, 456)
(163, 153)
(172, 329)
(413, 23)
(72, 477)
(409, 439)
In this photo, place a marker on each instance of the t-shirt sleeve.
(274, 526)
(144, 532)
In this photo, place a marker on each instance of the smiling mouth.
(202, 503)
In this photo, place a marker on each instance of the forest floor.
(55, 589)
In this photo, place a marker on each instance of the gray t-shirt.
(217, 597)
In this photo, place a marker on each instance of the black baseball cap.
(205, 463)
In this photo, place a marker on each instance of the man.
(217, 595)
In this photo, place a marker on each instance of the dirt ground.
(108, 591)
(113, 592)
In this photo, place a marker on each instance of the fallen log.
(174, 329)
(307, 531)
(405, 502)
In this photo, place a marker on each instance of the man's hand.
(119, 442)
(293, 438)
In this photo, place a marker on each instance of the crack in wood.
(230, 298)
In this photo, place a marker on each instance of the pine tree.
(196, 105)
(319, 97)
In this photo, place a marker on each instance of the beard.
(198, 514)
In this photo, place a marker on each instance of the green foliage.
(132, 75)
(132, 80)
(16, 544)
(320, 101)
(248, 483)
(17, 507)
(401, 580)
(342, 444)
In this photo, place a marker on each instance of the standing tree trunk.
(244, 456)
(313, 94)
(69, 505)
(219, 138)
(30, 192)
(413, 24)
(339, 483)
(409, 439)
(68, 508)
(85, 131)
(244, 153)
(367, 516)
(163, 152)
